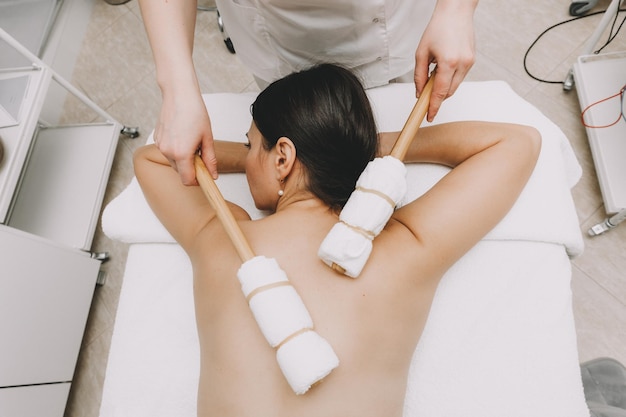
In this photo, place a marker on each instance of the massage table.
(500, 338)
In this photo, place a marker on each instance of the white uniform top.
(376, 38)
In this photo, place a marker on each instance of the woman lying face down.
(312, 135)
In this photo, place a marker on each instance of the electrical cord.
(621, 115)
(609, 40)
(611, 34)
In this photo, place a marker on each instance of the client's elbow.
(534, 142)
(139, 158)
(144, 157)
(528, 144)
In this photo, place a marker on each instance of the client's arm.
(231, 156)
(491, 164)
(183, 210)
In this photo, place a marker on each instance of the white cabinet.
(600, 84)
(45, 294)
(34, 401)
(597, 78)
(52, 180)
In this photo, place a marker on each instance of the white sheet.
(153, 365)
(500, 339)
(544, 211)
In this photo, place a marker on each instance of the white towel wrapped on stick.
(303, 355)
(380, 187)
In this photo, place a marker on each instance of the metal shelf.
(53, 178)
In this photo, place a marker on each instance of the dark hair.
(325, 112)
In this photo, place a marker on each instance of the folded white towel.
(128, 217)
(380, 187)
(304, 356)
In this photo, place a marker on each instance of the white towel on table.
(543, 212)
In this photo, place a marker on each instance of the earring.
(280, 191)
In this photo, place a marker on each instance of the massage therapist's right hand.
(184, 127)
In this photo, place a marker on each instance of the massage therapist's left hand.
(448, 41)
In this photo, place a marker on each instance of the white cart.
(53, 176)
(598, 77)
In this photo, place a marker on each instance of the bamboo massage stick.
(214, 195)
(412, 124)
(379, 189)
(303, 356)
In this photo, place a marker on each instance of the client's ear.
(285, 156)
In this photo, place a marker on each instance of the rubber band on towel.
(293, 335)
(361, 231)
(266, 288)
(379, 194)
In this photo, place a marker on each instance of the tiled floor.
(115, 69)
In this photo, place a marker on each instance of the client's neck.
(299, 200)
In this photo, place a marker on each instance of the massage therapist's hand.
(183, 128)
(448, 41)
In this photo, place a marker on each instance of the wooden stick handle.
(224, 214)
(413, 123)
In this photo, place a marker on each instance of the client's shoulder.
(398, 252)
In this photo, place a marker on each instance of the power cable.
(609, 40)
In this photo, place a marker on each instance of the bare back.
(373, 322)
